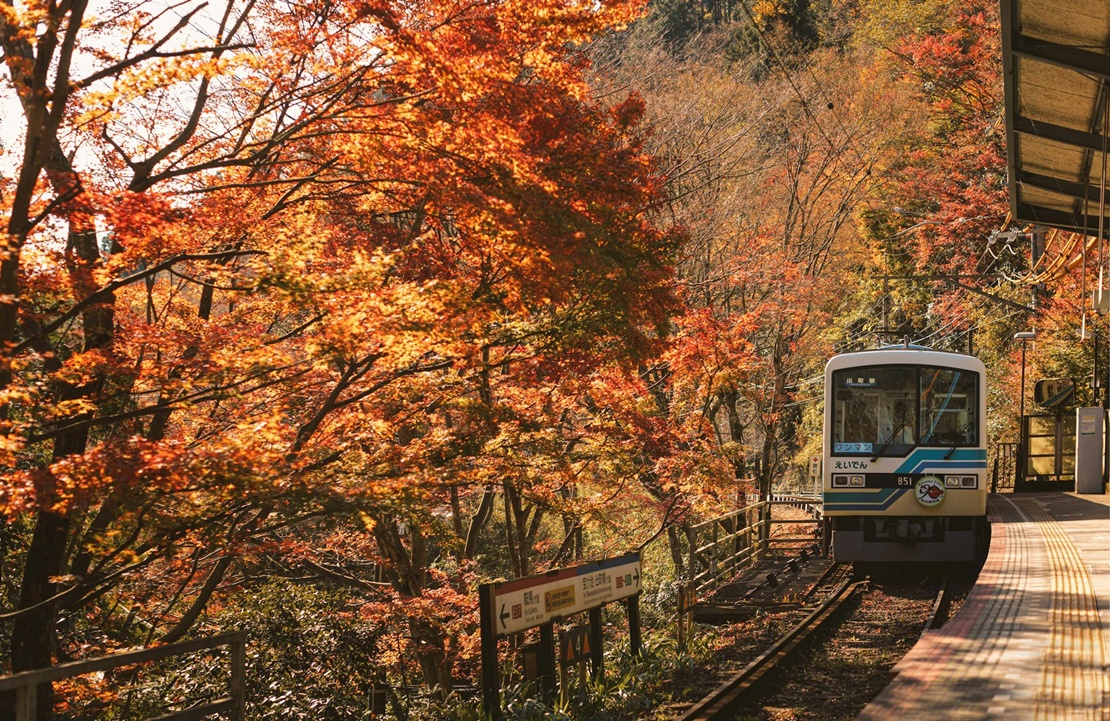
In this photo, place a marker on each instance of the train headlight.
(855, 480)
(839, 481)
(969, 482)
(952, 481)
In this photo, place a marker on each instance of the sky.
(164, 16)
(11, 126)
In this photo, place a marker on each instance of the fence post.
(764, 526)
(750, 538)
(692, 542)
(680, 636)
(25, 698)
(691, 600)
(713, 570)
(238, 687)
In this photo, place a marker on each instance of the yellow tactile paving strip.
(1029, 641)
(1074, 683)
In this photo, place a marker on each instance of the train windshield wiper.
(887, 442)
(952, 446)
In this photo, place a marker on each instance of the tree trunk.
(675, 545)
(431, 652)
(33, 635)
(520, 534)
(478, 521)
(408, 576)
(34, 640)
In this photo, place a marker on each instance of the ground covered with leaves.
(848, 664)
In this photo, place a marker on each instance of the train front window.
(949, 401)
(888, 410)
(874, 410)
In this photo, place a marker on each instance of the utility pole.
(1019, 467)
(886, 307)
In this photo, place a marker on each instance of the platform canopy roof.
(1056, 56)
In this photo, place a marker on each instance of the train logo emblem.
(929, 491)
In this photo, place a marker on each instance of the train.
(904, 469)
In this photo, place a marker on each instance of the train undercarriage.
(909, 539)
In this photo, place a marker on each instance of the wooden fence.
(722, 546)
(25, 684)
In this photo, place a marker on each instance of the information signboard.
(533, 601)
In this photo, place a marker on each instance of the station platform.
(1031, 640)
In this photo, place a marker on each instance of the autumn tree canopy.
(293, 287)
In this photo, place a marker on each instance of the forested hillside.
(840, 171)
(316, 315)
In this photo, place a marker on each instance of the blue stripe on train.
(926, 459)
(878, 499)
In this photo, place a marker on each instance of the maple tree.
(288, 273)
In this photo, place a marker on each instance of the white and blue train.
(905, 456)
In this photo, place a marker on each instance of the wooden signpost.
(540, 600)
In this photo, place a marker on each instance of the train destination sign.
(533, 601)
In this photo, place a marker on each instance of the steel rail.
(824, 581)
(937, 616)
(720, 699)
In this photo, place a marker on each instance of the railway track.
(721, 698)
(939, 613)
(873, 633)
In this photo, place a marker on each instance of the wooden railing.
(26, 684)
(796, 543)
(722, 546)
